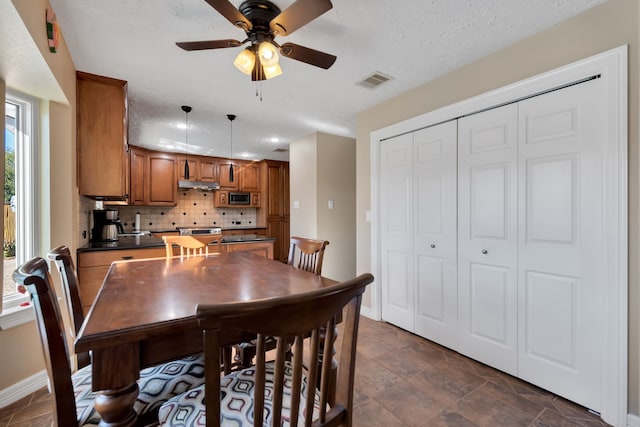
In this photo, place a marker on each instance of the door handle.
(127, 257)
(484, 251)
(433, 246)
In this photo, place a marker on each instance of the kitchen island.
(94, 259)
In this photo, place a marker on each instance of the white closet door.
(435, 244)
(487, 237)
(396, 210)
(561, 295)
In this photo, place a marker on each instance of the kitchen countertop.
(139, 242)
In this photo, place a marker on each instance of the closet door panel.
(397, 229)
(435, 241)
(561, 292)
(487, 237)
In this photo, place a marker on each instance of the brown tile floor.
(404, 380)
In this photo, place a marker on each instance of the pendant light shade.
(231, 118)
(187, 110)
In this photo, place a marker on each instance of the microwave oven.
(239, 198)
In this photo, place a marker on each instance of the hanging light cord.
(186, 110)
(231, 118)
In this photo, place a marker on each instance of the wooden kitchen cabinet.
(101, 124)
(153, 178)
(208, 169)
(200, 168)
(250, 176)
(224, 165)
(255, 200)
(194, 166)
(264, 249)
(93, 266)
(274, 211)
(137, 159)
(221, 199)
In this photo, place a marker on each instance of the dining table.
(145, 314)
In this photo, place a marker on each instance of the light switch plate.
(296, 204)
(330, 204)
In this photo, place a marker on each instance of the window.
(20, 192)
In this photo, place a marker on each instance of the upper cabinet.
(208, 169)
(250, 176)
(200, 168)
(153, 178)
(102, 137)
(194, 166)
(224, 172)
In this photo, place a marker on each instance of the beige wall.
(336, 157)
(20, 349)
(321, 169)
(610, 25)
(303, 183)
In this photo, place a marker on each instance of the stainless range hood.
(184, 184)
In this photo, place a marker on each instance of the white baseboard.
(633, 420)
(23, 388)
(368, 312)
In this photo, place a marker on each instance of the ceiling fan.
(262, 21)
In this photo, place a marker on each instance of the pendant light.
(231, 118)
(187, 110)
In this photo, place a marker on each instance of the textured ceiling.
(413, 41)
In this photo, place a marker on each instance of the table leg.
(116, 406)
(114, 373)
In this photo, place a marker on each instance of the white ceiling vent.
(374, 80)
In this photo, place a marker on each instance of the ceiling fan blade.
(298, 14)
(308, 55)
(229, 11)
(209, 44)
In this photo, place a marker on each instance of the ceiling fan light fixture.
(272, 71)
(245, 61)
(268, 54)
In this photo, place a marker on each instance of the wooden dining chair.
(188, 245)
(72, 395)
(61, 257)
(307, 254)
(282, 390)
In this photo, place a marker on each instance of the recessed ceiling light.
(275, 139)
(171, 146)
(181, 125)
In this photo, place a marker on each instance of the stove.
(199, 231)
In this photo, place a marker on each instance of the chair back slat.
(296, 381)
(307, 254)
(34, 276)
(326, 368)
(189, 246)
(291, 319)
(61, 257)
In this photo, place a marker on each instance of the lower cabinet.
(261, 248)
(93, 267)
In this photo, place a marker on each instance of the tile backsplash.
(194, 209)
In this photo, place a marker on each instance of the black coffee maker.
(106, 226)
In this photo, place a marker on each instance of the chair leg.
(226, 359)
